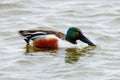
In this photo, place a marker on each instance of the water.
(98, 19)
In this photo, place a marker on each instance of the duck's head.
(74, 34)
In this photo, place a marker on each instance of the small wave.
(9, 5)
(107, 38)
(114, 23)
(13, 4)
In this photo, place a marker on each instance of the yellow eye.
(77, 32)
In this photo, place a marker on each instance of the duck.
(49, 39)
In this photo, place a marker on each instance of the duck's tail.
(29, 34)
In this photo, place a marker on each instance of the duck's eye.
(77, 33)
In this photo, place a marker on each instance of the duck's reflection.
(74, 54)
(30, 49)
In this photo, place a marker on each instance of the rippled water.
(98, 19)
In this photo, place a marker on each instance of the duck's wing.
(28, 34)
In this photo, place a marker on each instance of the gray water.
(99, 20)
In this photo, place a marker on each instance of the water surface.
(98, 19)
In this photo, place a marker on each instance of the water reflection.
(30, 49)
(74, 54)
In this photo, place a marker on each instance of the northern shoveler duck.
(49, 39)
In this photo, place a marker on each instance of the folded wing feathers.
(28, 34)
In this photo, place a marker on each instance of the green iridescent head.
(74, 34)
